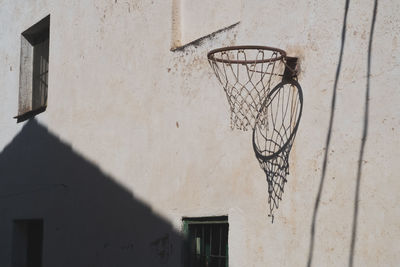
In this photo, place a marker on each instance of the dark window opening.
(40, 73)
(206, 241)
(27, 243)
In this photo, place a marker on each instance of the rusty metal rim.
(211, 54)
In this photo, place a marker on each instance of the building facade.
(127, 148)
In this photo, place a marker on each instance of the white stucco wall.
(157, 121)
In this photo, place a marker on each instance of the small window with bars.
(206, 241)
(34, 70)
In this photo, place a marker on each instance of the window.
(34, 70)
(206, 241)
(27, 243)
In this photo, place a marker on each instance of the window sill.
(29, 114)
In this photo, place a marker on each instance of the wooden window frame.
(34, 70)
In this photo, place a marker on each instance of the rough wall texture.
(156, 125)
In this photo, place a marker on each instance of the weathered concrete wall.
(192, 20)
(156, 122)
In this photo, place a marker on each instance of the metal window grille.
(206, 241)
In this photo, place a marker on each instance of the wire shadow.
(328, 139)
(363, 140)
(274, 134)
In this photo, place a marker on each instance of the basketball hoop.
(247, 74)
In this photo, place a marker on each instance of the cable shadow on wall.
(363, 140)
(88, 218)
(328, 139)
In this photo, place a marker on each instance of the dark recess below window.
(27, 243)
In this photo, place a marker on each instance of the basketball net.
(262, 99)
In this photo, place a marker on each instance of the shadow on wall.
(363, 140)
(88, 219)
(328, 139)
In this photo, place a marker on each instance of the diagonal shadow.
(363, 140)
(328, 139)
(88, 218)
